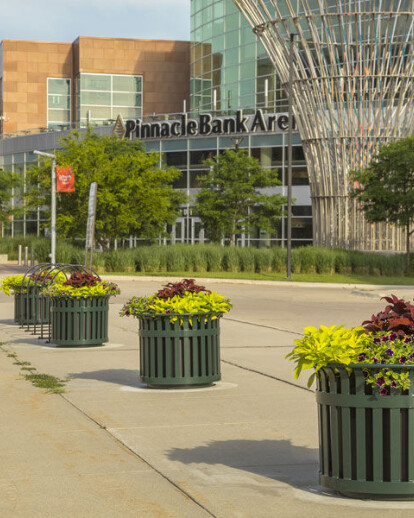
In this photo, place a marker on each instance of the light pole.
(290, 144)
(52, 205)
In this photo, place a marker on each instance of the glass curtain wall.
(58, 102)
(27, 221)
(102, 97)
(229, 67)
(271, 150)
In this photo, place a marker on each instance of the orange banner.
(65, 179)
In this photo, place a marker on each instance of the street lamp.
(53, 204)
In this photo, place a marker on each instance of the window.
(58, 102)
(102, 97)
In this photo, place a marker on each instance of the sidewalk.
(109, 447)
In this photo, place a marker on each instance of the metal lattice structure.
(353, 91)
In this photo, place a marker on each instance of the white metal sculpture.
(353, 91)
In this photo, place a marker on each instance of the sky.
(65, 20)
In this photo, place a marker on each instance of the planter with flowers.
(79, 310)
(30, 307)
(179, 335)
(365, 396)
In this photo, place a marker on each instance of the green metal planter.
(31, 308)
(174, 355)
(79, 321)
(366, 440)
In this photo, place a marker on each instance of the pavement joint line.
(135, 454)
(256, 347)
(265, 326)
(268, 376)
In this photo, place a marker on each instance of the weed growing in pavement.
(52, 384)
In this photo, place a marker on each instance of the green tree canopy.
(135, 196)
(230, 200)
(386, 187)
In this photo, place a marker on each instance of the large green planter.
(174, 355)
(31, 308)
(79, 321)
(366, 440)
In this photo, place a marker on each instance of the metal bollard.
(26, 256)
(19, 255)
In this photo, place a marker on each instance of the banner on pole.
(65, 179)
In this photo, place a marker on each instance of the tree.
(8, 180)
(230, 201)
(135, 196)
(386, 187)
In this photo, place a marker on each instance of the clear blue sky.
(64, 20)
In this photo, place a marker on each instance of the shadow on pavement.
(116, 376)
(9, 322)
(275, 459)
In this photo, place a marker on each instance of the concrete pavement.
(245, 448)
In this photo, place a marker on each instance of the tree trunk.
(105, 243)
(407, 257)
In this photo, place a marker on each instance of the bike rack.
(38, 276)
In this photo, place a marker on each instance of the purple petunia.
(380, 381)
(393, 336)
(389, 352)
(384, 391)
(375, 360)
(362, 357)
(393, 384)
(384, 338)
(403, 359)
(407, 340)
(376, 340)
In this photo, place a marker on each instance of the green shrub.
(148, 259)
(324, 260)
(174, 256)
(295, 260)
(246, 259)
(231, 260)
(278, 259)
(194, 257)
(214, 257)
(263, 260)
(307, 257)
(359, 263)
(119, 260)
(342, 262)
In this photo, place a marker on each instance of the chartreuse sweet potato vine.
(180, 302)
(337, 345)
(19, 283)
(327, 345)
(81, 285)
(63, 290)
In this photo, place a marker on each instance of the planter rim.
(159, 315)
(370, 365)
(77, 296)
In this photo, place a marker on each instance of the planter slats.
(366, 440)
(79, 322)
(179, 354)
(31, 308)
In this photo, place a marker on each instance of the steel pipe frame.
(353, 91)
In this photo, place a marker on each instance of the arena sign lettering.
(206, 125)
